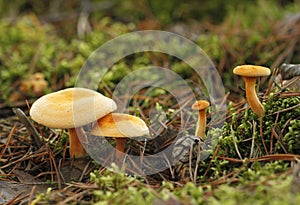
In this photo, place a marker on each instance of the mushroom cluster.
(71, 109)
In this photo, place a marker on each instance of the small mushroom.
(201, 106)
(250, 73)
(71, 109)
(34, 85)
(120, 126)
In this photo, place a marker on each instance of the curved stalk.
(252, 97)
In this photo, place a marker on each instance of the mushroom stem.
(77, 137)
(201, 106)
(120, 144)
(252, 97)
(201, 124)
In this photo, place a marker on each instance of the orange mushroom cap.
(119, 125)
(200, 105)
(251, 71)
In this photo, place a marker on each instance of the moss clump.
(115, 187)
(281, 117)
(273, 192)
(241, 139)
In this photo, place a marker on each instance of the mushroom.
(250, 73)
(34, 85)
(201, 106)
(120, 126)
(71, 109)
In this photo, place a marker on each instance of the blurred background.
(45, 43)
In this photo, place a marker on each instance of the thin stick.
(197, 162)
(25, 157)
(73, 197)
(279, 140)
(16, 198)
(289, 94)
(25, 121)
(273, 157)
(190, 161)
(234, 142)
(8, 140)
(253, 137)
(169, 165)
(31, 194)
(272, 134)
(84, 170)
(211, 161)
(55, 167)
(286, 109)
(261, 135)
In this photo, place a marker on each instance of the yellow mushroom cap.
(251, 71)
(71, 107)
(200, 105)
(119, 125)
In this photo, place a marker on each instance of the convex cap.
(251, 71)
(71, 107)
(119, 125)
(200, 105)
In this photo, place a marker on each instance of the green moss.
(263, 191)
(291, 138)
